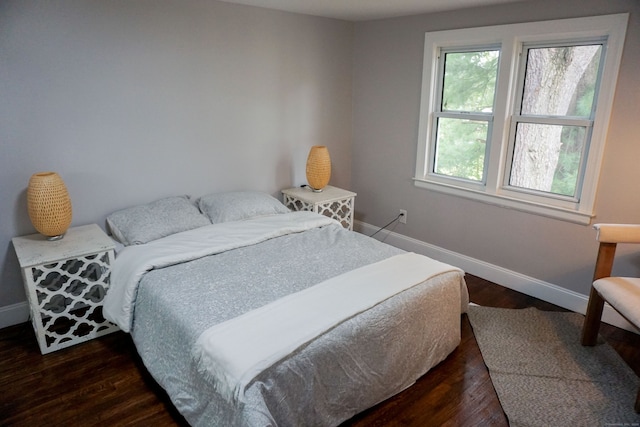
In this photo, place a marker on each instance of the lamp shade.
(318, 167)
(49, 204)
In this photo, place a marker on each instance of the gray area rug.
(544, 377)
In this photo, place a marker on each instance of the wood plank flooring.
(103, 382)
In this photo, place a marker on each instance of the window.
(516, 115)
(465, 112)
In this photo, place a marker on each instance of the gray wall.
(135, 100)
(387, 83)
(131, 101)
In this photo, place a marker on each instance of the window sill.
(563, 214)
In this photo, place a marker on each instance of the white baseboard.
(14, 314)
(509, 279)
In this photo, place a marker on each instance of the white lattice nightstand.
(66, 281)
(333, 202)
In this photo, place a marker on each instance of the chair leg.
(591, 324)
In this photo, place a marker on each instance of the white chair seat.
(623, 294)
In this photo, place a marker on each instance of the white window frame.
(511, 38)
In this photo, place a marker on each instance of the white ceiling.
(362, 10)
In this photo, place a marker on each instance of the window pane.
(470, 81)
(460, 148)
(561, 81)
(547, 158)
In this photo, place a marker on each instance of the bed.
(248, 314)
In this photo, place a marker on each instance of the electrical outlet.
(403, 216)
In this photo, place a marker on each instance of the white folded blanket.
(234, 352)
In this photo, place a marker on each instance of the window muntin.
(583, 132)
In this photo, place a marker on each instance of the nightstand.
(65, 282)
(333, 202)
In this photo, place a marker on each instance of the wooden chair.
(622, 293)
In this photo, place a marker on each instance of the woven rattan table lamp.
(49, 204)
(318, 167)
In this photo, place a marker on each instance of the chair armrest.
(617, 233)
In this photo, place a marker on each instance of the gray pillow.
(144, 223)
(239, 205)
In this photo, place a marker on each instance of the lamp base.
(316, 190)
(54, 238)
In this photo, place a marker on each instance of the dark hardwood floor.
(103, 382)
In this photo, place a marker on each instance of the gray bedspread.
(357, 364)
